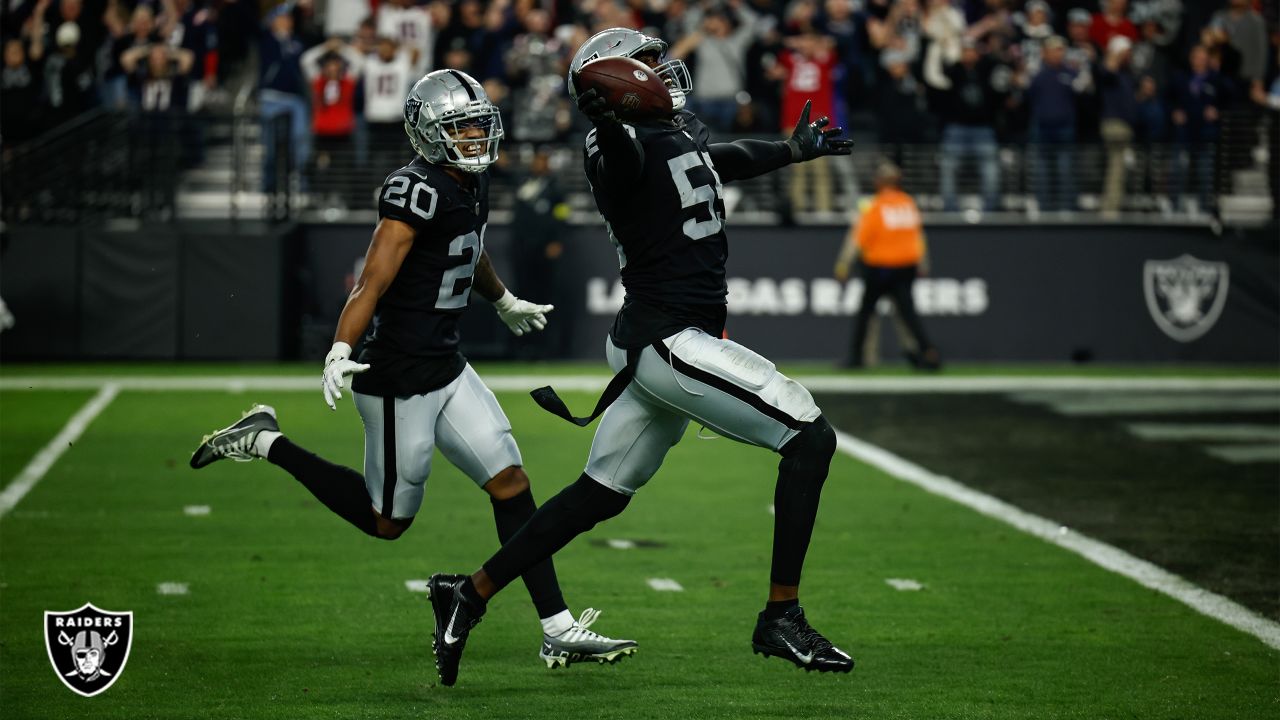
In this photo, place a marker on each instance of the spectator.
(411, 27)
(385, 80)
(1034, 28)
(343, 18)
(365, 39)
(1081, 51)
(805, 69)
(1118, 90)
(534, 67)
(1269, 101)
(1151, 53)
(195, 30)
(1113, 21)
(69, 77)
(1151, 130)
(158, 79)
(719, 55)
(888, 243)
(970, 103)
(20, 86)
(142, 32)
(1197, 99)
(1052, 99)
(900, 107)
(282, 93)
(900, 30)
(944, 27)
(332, 69)
(1247, 32)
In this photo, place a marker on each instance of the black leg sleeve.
(801, 474)
(341, 489)
(575, 510)
(510, 515)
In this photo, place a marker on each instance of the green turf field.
(293, 614)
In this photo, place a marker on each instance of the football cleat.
(235, 442)
(580, 644)
(790, 637)
(455, 616)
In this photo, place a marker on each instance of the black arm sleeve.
(617, 158)
(742, 159)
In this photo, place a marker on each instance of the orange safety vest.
(889, 234)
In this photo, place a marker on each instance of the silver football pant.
(692, 376)
(463, 418)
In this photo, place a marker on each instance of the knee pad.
(816, 440)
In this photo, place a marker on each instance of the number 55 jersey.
(412, 346)
(668, 229)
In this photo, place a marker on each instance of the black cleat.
(235, 442)
(790, 637)
(455, 616)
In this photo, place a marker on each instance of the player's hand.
(521, 316)
(595, 107)
(810, 140)
(337, 366)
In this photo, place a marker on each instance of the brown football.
(628, 86)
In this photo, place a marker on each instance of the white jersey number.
(451, 298)
(399, 187)
(691, 196)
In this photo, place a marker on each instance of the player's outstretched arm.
(615, 157)
(391, 242)
(743, 159)
(812, 140)
(520, 316)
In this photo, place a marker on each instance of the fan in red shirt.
(1112, 21)
(333, 121)
(806, 70)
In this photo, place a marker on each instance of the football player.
(658, 186)
(412, 387)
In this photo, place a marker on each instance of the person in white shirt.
(410, 26)
(386, 77)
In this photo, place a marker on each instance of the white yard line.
(665, 585)
(595, 383)
(1243, 454)
(173, 588)
(1098, 553)
(40, 464)
(1237, 432)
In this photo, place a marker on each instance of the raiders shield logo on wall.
(88, 647)
(1185, 295)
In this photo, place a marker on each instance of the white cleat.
(580, 644)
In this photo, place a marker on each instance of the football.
(630, 88)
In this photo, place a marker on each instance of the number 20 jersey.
(412, 346)
(668, 228)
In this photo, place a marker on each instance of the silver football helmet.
(450, 120)
(624, 42)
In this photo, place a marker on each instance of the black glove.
(809, 140)
(595, 107)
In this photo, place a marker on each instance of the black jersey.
(668, 228)
(412, 347)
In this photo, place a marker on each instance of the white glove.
(521, 316)
(337, 366)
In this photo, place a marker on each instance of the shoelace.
(238, 450)
(579, 631)
(812, 637)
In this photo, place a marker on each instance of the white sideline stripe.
(173, 588)
(904, 584)
(1224, 431)
(595, 383)
(665, 585)
(1122, 404)
(196, 510)
(49, 454)
(1241, 454)
(419, 586)
(1096, 552)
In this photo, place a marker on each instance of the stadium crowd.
(968, 74)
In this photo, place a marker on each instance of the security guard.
(888, 242)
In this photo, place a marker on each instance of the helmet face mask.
(624, 42)
(450, 121)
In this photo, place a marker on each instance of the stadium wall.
(215, 291)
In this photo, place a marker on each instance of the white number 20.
(395, 195)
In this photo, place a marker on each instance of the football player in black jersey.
(414, 390)
(658, 187)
